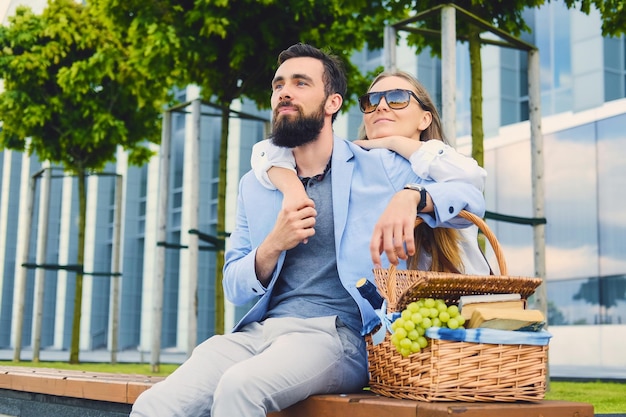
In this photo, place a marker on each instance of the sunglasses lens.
(369, 102)
(397, 99)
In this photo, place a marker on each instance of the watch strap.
(422, 191)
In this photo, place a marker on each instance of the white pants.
(263, 368)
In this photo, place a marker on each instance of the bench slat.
(102, 386)
(369, 404)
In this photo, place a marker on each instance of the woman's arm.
(275, 168)
(399, 144)
(287, 182)
(432, 160)
(264, 156)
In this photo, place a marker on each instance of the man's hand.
(295, 223)
(293, 202)
(393, 233)
(296, 220)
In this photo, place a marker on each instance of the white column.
(537, 171)
(154, 256)
(188, 269)
(27, 191)
(232, 189)
(64, 300)
(149, 254)
(188, 323)
(390, 48)
(117, 264)
(42, 248)
(91, 234)
(448, 73)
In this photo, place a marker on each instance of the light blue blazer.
(363, 181)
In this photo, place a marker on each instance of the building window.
(596, 300)
(551, 34)
(614, 68)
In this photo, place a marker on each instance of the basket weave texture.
(456, 371)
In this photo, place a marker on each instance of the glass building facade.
(585, 225)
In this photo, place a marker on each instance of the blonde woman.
(399, 115)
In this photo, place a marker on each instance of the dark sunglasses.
(396, 100)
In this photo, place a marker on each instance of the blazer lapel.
(341, 176)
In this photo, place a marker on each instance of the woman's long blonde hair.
(443, 244)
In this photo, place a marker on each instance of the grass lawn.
(606, 397)
(118, 368)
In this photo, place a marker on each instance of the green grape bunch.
(409, 329)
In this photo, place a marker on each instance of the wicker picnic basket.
(451, 370)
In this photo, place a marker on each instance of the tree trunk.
(476, 96)
(221, 221)
(80, 258)
(476, 105)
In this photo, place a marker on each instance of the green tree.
(71, 96)
(229, 49)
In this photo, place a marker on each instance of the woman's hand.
(393, 233)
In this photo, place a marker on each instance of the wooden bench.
(122, 388)
(99, 386)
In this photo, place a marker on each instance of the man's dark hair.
(334, 70)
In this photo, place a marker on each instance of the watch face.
(415, 187)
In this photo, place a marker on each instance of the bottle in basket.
(370, 293)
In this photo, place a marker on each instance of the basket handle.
(491, 237)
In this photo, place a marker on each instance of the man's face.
(298, 102)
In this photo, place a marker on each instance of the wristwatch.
(421, 190)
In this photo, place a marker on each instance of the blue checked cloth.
(492, 336)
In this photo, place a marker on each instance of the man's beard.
(289, 131)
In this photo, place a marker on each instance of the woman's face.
(385, 121)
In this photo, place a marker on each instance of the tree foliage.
(70, 90)
(71, 96)
(229, 48)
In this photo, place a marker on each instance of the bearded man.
(304, 335)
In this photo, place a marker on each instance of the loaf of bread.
(468, 309)
(507, 319)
